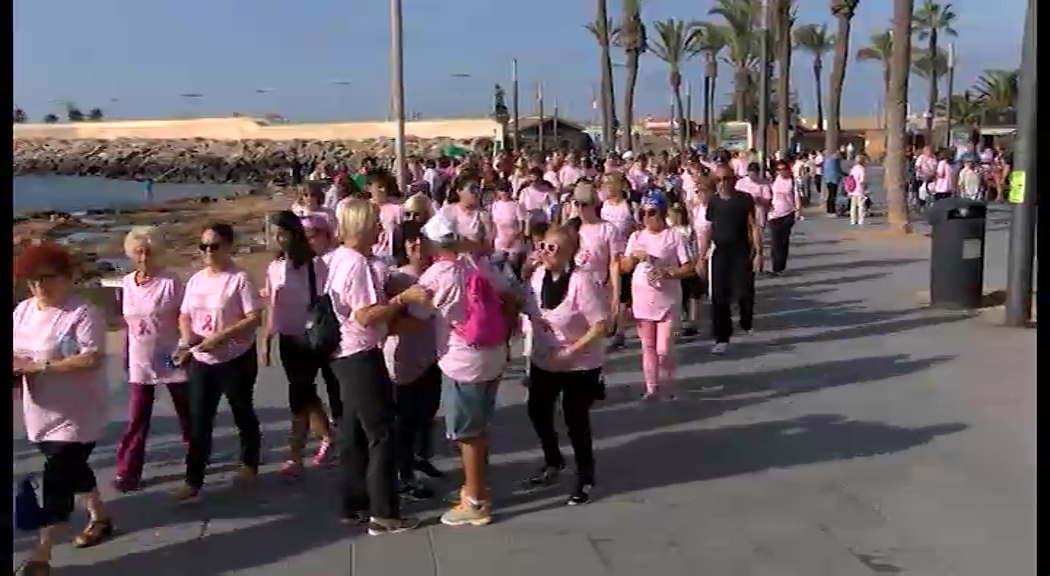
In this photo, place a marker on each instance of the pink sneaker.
(290, 469)
(323, 455)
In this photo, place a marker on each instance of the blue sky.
(134, 59)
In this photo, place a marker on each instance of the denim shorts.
(468, 407)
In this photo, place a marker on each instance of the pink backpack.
(484, 325)
(849, 183)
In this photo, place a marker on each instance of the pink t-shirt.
(287, 290)
(585, 304)
(552, 177)
(353, 284)
(507, 217)
(151, 314)
(760, 192)
(409, 356)
(599, 243)
(620, 216)
(389, 218)
(536, 200)
(666, 250)
(215, 301)
(326, 215)
(70, 406)
(860, 176)
(945, 182)
(446, 280)
(470, 224)
(926, 167)
(568, 176)
(783, 202)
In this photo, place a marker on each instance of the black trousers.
(66, 474)
(780, 240)
(208, 383)
(366, 436)
(833, 194)
(732, 280)
(577, 390)
(416, 405)
(301, 366)
(335, 397)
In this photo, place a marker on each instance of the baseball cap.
(584, 193)
(440, 229)
(656, 200)
(627, 155)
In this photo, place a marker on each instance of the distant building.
(558, 133)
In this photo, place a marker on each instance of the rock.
(252, 162)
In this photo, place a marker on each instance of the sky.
(137, 59)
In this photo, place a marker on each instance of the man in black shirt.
(736, 259)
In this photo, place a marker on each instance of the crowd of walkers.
(404, 302)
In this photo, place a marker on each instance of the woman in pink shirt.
(657, 259)
(757, 186)
(617, 211)
(567, 360)
(944, 183)
(293, 280)
(150, 298)
(380, 185)
(311, 203)
(600, 245)
(58, 354)
(472, 222)
(507, 219)
(366, 444)
(785, 209)
(411, 358)
(217, 322)
(538, 197)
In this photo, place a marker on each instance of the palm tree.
(742, 18)
(633, 42)
(931, 20)
(672, 46)
(965, 109)
(709, 39)
(602, 30)
(19, 116)
(50, 119)
(896, 118)
(784, 16)
(880, 50)
(843, 10)
(998, 89)
(817, 41)
(95, 115)
(73, 114)
(930, 69)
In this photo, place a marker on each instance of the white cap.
(439, 228)
(627, 155)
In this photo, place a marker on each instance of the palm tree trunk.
(818, 81)
(896, 179)
(676, 86)
(885, 107)
(784, 80)
(714, 109)
(838, 79)
(931, 101)
(608, 104)
(628, 106)
(707, 110)
(743, 80)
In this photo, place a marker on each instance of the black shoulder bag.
(322, 327)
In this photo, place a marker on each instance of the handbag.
(322, 327)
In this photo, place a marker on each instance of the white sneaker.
(719, 348)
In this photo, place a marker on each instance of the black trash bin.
(957, 253)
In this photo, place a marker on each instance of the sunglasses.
(650, 212)
(548, 247)
(412, 215)
(212, 247)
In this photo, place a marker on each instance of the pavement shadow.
(679, 457)
(858, 264)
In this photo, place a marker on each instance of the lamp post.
(397, 89)
(763, 87)
(951, 96)
(514, 104)
(1022, 225)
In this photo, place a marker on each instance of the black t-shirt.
(729, 220)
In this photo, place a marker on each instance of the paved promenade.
(855, 433)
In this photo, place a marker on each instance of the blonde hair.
(145, 235)
(356, 217)
(419, 204)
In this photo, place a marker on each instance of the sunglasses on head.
(209, 247)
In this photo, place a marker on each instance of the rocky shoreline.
(206, 161)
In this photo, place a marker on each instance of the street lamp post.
(951, 96)
(514, 104)
(1022, 225)
(763, 87)
(539, 99)
(397, 89)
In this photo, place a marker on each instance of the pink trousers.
(657, 351)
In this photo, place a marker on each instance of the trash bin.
(957, 253)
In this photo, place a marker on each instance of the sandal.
(95, 533)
